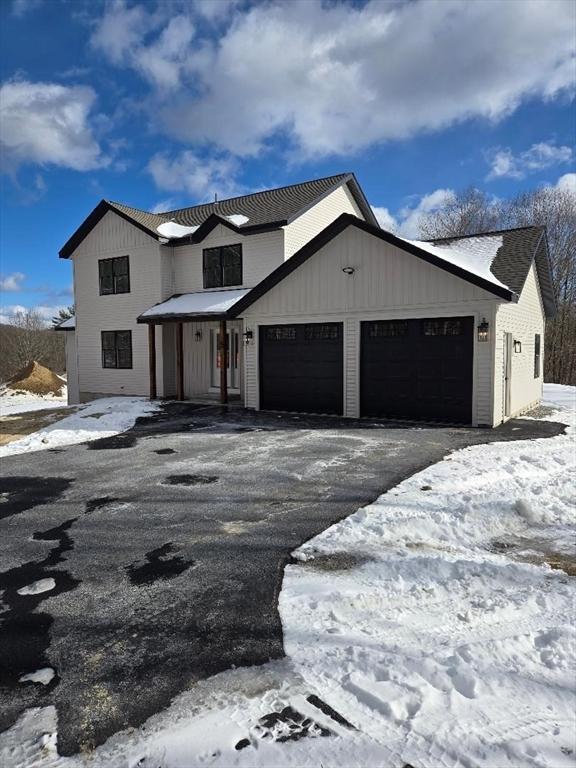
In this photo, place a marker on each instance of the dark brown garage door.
(301, 367)
(418, 369)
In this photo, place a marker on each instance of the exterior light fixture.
(483, 329)
(248, 335)
(348, 270)
(517, 346)
(198, 335)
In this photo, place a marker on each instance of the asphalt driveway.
(167, 546)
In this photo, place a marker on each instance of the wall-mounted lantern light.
(517, 346)
(348, 270)
(483, 329)
(198, 335)
(248, 335)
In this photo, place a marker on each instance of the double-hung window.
(114, 275)
(222, 266)
(116, 349)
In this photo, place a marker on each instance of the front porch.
(201, 350)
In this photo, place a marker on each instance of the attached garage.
(301, 368)
(417, 369)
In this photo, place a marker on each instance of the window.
(537, 356)
(281, 333)
(116, 349)
(114, 275)
(442, 327)
(317, 332)
(388, 328)
(222, 266)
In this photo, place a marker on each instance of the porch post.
(152, 359)
(179, 361)
(223, 363)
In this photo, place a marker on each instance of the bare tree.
(27, 338)
(473, 211)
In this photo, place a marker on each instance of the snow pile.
(173, 231)
(100, 418)
(439, 630)
(238, 219)
(474, 254)
(12, 402)
(36, 379)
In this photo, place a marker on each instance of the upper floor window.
(222, 266)
(116, 349)
(537, 356)
(114, 275)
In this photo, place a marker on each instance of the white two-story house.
(294, 299)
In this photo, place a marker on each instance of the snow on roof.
(172, 231)
(205, 302)
(473, 254)
(238, 219)
(67, 325)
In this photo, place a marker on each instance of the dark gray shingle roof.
(520, 247)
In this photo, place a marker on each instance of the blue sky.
(163, 104)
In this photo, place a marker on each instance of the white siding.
(113, 236)
(261, 254)
(309, 224)
(387, 283)
(72, 368)
(523, 320)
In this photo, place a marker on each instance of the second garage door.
(417, 369)
(301, 368)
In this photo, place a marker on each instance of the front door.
(232, 363)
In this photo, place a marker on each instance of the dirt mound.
(37, 379)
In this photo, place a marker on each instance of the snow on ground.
(105, 417)
(428, 621)
(560, 394)
(13, 402)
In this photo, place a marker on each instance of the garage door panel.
(301, 368)
(417, 369)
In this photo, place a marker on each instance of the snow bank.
(447, 638)
(12, 403)
(100, 418)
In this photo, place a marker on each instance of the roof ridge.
(482, 234)
(261, 192)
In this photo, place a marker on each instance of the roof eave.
(181, 317)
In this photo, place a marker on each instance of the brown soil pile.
(37, 379)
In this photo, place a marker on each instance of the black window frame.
(537, 355)
(114, 351)
(112, 269)
(214, 275)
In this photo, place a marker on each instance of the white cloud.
(567, 182)
(338, 77)
(10, 312)
(123, 35)
(200, 177)
(12, 282)
(21, 7)
(542, 155)
(48, 123)
(406, 223)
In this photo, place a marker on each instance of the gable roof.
(265, 210)
(509, 260)
(520, 247)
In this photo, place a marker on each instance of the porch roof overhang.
(194, 307)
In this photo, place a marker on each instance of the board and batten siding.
(523, 320)
(387, 283)
(111, 237)
(309, 224)
(261, 254)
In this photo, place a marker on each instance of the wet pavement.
(167, 545)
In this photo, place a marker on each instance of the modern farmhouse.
(294, 299)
